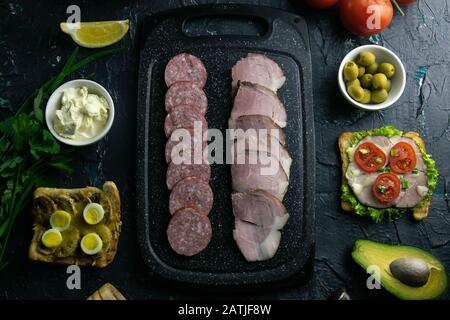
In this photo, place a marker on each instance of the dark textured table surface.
(32, 48)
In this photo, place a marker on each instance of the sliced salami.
(188, 145)
(189, 232)
(184, 116)
(185, 67)
(182, 93)
(177, 172)
(191, 192)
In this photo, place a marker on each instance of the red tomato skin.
(321, 4)
(411, 155)
(354, 15)
(375, 150)
(405, 1)
(396, 188)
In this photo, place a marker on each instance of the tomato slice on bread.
(402, 158)
(369, 157)
(386, 188)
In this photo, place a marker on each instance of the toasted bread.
(47, 200)
(107, 292)
(419, 213)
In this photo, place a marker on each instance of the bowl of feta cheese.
(80, 112)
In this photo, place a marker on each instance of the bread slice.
(419, 213)
(47, 200)
(107, 292)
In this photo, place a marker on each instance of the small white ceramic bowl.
(383, 55)
(54, 103)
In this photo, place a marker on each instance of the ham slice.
(258, 69)
(263, 143)
(254, 242)
(260, 208)
(253, 99)
(253, 173)
(258, 122)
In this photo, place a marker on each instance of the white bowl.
(54, 103)
(383, 55)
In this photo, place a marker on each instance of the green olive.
(366, 81)
(367, 96)
(388, 86)
(350, 71)
(366, 58)
(379, 96)
(372, 69)
(361, 71)
(354, 82)
(379, 81)
(356, 92)
(387, 69)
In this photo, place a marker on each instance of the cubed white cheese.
(357, 188)
(422, 190)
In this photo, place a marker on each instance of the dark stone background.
(32, 48)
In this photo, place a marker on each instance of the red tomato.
(366, 17)
(402, 158)
(369, 157)
(386, 187)
(321, 4)
(405, 1)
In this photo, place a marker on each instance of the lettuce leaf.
(388, 214)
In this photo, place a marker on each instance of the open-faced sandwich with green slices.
(386, 173)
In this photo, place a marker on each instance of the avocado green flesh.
(367, 253)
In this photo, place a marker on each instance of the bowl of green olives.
(372, 77)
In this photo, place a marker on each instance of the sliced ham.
(253, 99)
(260, 208)
(247, 176)
(258, 69)
(258, 122)
(254, 242)
(252, 141)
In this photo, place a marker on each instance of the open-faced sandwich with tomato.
(386, 173)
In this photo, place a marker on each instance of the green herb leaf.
(405, 184)
(415, 171)
(45, 143)
(11, 163)
(64, 167)
(37, 106)
(23, 128)
(393, 152)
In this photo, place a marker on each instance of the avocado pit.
(413, 272)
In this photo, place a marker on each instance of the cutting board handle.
(260, 19)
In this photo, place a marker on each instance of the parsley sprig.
(28, 151)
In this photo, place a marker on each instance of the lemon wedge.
(52, 238)
(91, 243)
(93, 213)
(96, 34)
(60, 220)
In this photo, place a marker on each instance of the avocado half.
(367, 253)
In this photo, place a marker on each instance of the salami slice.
(177, 172)
(183, 141)
(185, 67)
(191, 192)
(182, 93)
(189, 232)
(184, 116)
